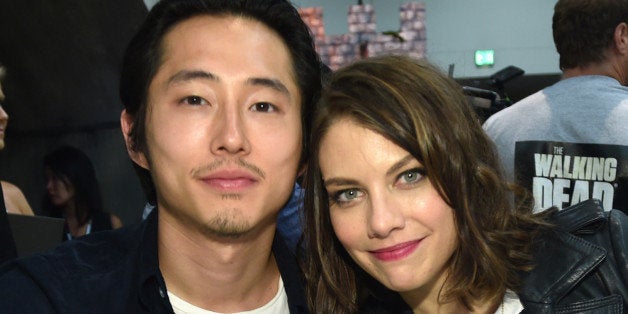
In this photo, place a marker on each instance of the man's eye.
(194, 100)
(263, 107)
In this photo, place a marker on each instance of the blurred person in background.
(569, 141)
(72, 193)
(14, 200)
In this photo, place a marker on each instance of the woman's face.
(385, 211)
(59, 191)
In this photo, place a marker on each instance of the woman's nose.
(385, 216)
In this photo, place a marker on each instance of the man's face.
(223, 126)
(4, 119)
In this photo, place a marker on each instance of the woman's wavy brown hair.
(414, 105)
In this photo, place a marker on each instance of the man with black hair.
(569, 142)
(216, 95)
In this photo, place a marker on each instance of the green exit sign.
(484, 58)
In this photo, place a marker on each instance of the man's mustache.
(214, 165)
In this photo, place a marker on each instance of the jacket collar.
(561, 258)
(152, 287)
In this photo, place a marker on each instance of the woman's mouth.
(396, 252)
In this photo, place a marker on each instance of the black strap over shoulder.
(7, 244)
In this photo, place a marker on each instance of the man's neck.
(222, 275)
(610, 69)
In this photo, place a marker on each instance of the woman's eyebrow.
(398, 165)
(339, 181)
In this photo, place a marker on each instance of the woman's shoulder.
(14, 199)
(586, 244)
(585, 226)
(105, 221)
(115, 221)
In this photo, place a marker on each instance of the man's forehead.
(272, 79)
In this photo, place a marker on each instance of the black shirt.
(110, 272)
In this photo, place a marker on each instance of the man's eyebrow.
(188, 75)
(268, 82)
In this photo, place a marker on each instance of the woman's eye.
(412, 176)
(194, 100)
(263, 107)
(346, 196)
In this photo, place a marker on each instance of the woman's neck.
(75, 226)
(69, 210)
(489, 307)
(430, 299)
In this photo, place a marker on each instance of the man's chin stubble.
(224, 227)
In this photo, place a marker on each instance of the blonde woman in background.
(14, 200)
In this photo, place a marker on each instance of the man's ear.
(126, 123)
(621, 38)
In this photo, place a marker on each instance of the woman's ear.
(126, 123)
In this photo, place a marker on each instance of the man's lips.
(396, 252)
(230, 180)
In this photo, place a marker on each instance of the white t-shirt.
(510, 305)
(278, 305)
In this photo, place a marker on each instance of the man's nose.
(230, 133)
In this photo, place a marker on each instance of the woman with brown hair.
(407, 211)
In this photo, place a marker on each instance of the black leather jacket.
(582, 266)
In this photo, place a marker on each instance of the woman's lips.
(396, 252)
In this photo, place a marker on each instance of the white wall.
(520, 31)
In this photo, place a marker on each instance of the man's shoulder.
(77, 273)
(92, 255)
(584, 90)
(514, 111)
